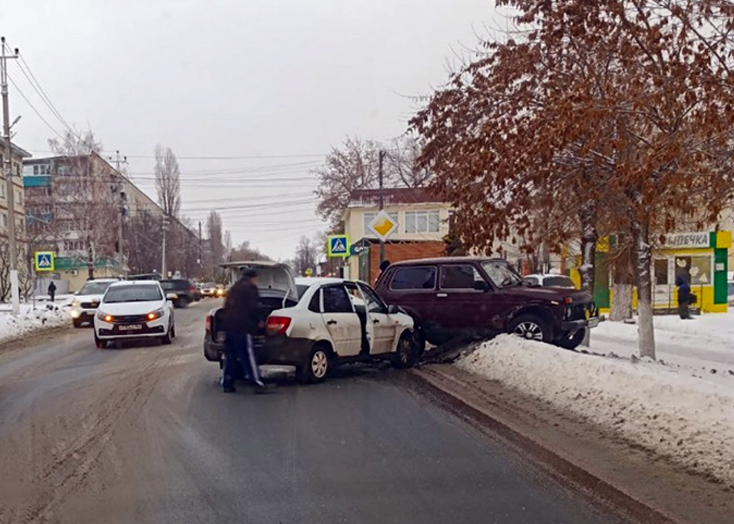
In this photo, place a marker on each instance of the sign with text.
(687, 240)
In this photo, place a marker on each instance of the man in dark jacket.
(684, 297)
(241, 322)
(52, 291)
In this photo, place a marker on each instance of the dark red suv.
(476, 297)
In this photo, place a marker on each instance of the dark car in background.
(474, 296)
(184, 290)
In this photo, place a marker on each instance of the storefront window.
(695, 270)
(700, 271)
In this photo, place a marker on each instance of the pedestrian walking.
(241, 322)
(685, 298)
(52, 290)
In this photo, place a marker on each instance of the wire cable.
(34, 108)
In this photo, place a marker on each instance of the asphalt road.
(143, 434)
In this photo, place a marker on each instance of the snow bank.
(30, 320)
(665, 410)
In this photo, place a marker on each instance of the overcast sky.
(271, 79)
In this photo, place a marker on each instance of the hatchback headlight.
(154, 315)
(106, 317)
(75, 303)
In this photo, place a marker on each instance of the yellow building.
(701, 258)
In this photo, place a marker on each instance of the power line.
(34, 108)
(42, 94)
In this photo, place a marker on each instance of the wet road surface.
(144, 434)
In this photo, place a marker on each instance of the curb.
(558, 466)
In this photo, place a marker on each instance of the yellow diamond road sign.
(382, 225)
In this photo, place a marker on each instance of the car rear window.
(559, 281)
(94, 288)
(416, 278)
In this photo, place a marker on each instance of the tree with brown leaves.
(612, 115)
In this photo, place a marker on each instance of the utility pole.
(117, 160)
(200, 259)
(165, 233)
(382, 203)
(10, 189)
(123, 210)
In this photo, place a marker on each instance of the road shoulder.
(594, 460)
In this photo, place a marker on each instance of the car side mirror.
(481, 285)
(171, 296)
(393, 309)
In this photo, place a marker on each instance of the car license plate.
(131, 327)
(593, 322)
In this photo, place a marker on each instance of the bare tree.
(307, 254)
(216, 242)
(246, 252)
(167, 181)
(355, 165)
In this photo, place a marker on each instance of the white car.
(331, 321)
(86, 300)
(137, 309)
(550, 280)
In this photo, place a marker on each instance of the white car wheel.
(316, 367)
(319, 364)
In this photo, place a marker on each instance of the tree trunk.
(643, 252)
(90, 261)
(589, 239)
(622, 287)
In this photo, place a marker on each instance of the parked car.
(473, 296)
(550, 280)
(85, 301)
(184, 290)
(332, 322)
(134, 310)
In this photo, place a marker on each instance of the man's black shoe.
(230, 390)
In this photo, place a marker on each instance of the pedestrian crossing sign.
(45, 261)
(337, 246)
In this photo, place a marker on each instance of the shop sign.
(687, 240)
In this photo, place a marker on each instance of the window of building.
(64, 170)
(19, 197)
(414, 278)
(2, 189)
(370, 216)
(661, 272)
(701, 271)
(42, 169)
(3, 220)
(422, 222)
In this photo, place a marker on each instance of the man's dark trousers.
(240, 352)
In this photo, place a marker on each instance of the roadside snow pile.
(30, 320)
(665, 410)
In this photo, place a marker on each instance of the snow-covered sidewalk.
(676, 412)
(705, 343)
(30, 320)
